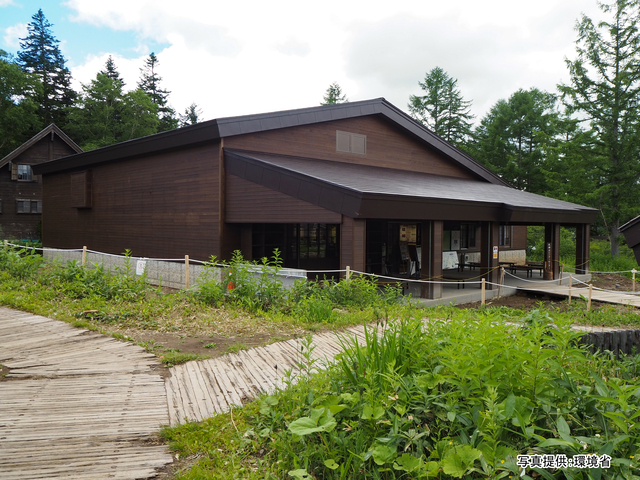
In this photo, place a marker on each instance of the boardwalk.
(76, 404)
(200, 389)
(581, 290)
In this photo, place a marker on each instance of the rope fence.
(189, 270)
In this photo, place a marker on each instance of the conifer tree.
(605, 90)
(41, 56)
(442, 108)
(150, 83)
(334, 95)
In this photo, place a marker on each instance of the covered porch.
(403, 224)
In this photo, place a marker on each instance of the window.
(24, 173)
(505, 235)
(28, 206)
(468, 235)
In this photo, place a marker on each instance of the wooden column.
(551, 251)
(489, 239)
(431, 261)
(353, 241)
(583, 239)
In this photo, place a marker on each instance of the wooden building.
(358, 184)
(21, 189)
(631, 232)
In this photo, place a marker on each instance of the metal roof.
(360, 191)
(213, 130)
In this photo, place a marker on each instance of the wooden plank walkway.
(581, 291)
(76, 404)
(200, 389)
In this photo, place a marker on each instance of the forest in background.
(580, 143)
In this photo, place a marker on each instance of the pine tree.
(334, 95)
(111, 71)
(40, 56)
(605, 90)
(515, 137)
(150, 83)
(442, 109)
(191, 115)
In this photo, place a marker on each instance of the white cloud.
(4, 3)
(233, 58)
(14, 33)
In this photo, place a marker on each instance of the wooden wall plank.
(158, 206)
(387, 146)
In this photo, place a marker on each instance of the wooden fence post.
(186, 270)
(84, 255)
(501, 280)
(570, 282)
(348, 273)
(561, 273)
(589, 302)
(483, 291)
(634, 279)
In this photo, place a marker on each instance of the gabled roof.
(213, 130)
(36, 138)
(360, 191)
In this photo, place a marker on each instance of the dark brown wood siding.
(161, 206)
(248, 202)
(387, 146)
(26, 225)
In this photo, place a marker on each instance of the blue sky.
(235, 58)
(78, 40)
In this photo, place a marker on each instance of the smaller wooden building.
(359, 184)
(631, 232)
(21, 188)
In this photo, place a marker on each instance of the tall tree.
(516, 136)
(18, 111)
(41, 56)
(192, 115)
(442, 108)
(605, 90)
(150, 83)
(334, 95)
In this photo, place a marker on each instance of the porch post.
(583, 240)
(551, 251)
(431, 261)
(352, 244)
(489, 237)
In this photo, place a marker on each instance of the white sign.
(495, 252)
(140, 266)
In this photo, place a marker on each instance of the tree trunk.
(615, 232)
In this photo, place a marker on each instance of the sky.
(245, 57)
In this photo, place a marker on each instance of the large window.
(468, 235)
(506, 232)
(28, 206)
(302, 245)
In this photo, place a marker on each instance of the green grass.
(236, 347)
